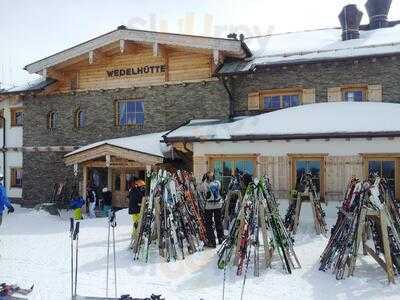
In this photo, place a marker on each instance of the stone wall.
(321, 76)
(41, 171)
(165, 108)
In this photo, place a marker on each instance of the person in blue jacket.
(4, 202)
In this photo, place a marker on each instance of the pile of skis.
(257, 215)
(341, 251)
(171, 217)
(8, 290)
(306, 188)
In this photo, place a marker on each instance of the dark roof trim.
(301, 136)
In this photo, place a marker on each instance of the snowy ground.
(34, 248)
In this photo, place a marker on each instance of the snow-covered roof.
(34, 85)
(335, 119)
(315, 45)
(146, 143)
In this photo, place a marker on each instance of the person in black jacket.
(136, 194)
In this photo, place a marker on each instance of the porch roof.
(147, 148)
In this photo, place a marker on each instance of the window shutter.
(334, 94)
(308, 96)
(254, 101)
(374, 93)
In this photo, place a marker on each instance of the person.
(4, 202)
(107, 201)
(91, 201)
(135, 196)
(211, 189)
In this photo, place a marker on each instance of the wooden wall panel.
(339, 169)
(179, 66)
(200, 167)
(277, 168)
(188, 66)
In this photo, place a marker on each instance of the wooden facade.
(335, 171)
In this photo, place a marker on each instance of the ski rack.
(319, 229)
(268, 224)
(386, 263)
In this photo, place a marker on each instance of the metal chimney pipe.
(378, 11)
(350, 19)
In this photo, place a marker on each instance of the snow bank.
(321, 118)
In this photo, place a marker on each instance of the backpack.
(213, 194)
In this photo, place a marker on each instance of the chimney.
(378, 11)
(350, 19)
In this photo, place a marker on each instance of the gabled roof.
(322, 120)
(230, 46)
(314, 46)
(146, 143)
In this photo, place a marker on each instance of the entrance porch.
(115, 163)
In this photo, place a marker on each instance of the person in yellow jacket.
(136, 193)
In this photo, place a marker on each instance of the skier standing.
(136, 194)
(211, 188)
(107, 201)
(91, 201)
(4, 202)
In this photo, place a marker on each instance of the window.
(16, 177)
(385, 169)
(278, 101)
(80, 120)
(52, 120)
(17, 116)
(312, 164)
(225, 168)
(354, 94)
(130, 112)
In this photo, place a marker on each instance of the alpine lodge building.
(115, 106)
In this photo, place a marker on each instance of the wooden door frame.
(293, 158)
(367, 157)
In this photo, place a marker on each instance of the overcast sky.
(31, 30)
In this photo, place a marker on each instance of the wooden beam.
(156, 49)
(44, 73)
(91, 57)
(61, 76)
(122, 46)
(216, 56)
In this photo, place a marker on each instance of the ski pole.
(75, 237)
(114, 224)
(71, 232)
(108, 255)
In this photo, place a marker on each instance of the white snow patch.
(320, 45)
(35, 250)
